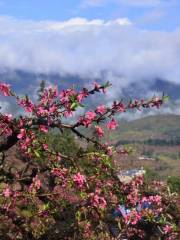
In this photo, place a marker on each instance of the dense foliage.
(70, 192)
(174, 183)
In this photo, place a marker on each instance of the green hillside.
(157, 137)
(151, 127)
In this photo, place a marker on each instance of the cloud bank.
(90, 48)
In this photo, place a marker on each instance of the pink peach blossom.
(79, 179)
(90, 115)
(7, 192)
(5, 89)
(167, 229)
(112, 125)
(99, 131)
(101, 109)
(43, 128)
(22, 133)
(98, 201)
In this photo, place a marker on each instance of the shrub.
(63, 192)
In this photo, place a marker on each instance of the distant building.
(127, 175)
(146, 158)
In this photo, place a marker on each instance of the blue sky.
(149, 14)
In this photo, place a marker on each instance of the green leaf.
(29, 150)
(26, 213)
(46, 206)
(165, 98)
(107, 84)
(78, 215)
(74, 105)
(82, 194)
(36, 153)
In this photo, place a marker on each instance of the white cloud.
(10, 25)
(115, 50)
(81, 22)
(4, 106)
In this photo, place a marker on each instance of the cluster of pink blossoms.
(98, 201)
(87, 119)
(5, 89)
(5, 122)
(71, 98)
(101, 109)
(43, 128)
(79, 180)
(133, 217)
(133, 231)
(140, 205)
(118, 106)
(35, 185)
(27, 139)
(7, 192)
(99, 131)
(27, 104)
(132, 190)
(112, 125)
(167, 229)
(61, 174)
(156, 199)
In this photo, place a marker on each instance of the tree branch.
(9, 142)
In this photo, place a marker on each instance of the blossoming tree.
(76, 196)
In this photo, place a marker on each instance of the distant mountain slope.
(138, 89)
(151, 127)
(28, 83)
(22, 81)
